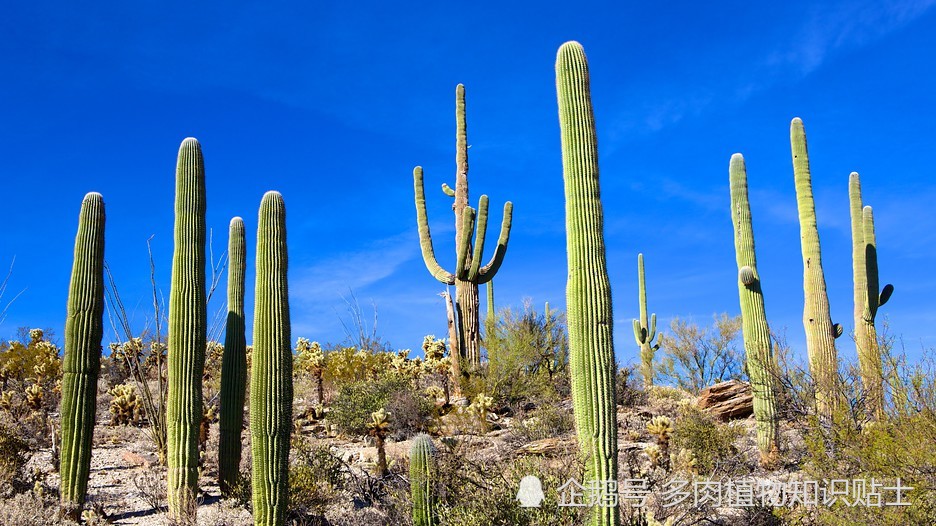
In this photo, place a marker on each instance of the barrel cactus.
(187, 328)
(645, 328)
(758, 349)
(588, 291)
(233, 362)
(84, 329)
(271, 388)
(422, 478)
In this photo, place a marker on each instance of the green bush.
(546, 421)
(14, 454)
(352, 408)
(710, 442)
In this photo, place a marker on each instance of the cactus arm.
(464, 243)
(233, 362)
(425, 238)
(447, 190)
(651, 330)
(588, 290)
(488, 271)
(642, 290)
(271, 390)
(187, 332)
(886, 293)
(638, 332)
(84, 329)
(480, 234)
(870, 250)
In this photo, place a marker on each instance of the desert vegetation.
(524, 418)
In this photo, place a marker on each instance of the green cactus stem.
(588, 290)
(233, 362)
(468, 272)
(82, 361)
(271, 389)
(867, 297)
(761, 364)
(820, 331)
(187, 327)
(644, 328)
(422, 478)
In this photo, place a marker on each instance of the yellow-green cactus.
(422, 478)
(645, 328)
(233, 362)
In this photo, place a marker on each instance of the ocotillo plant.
(758, 349)
(187, 327)
(233, 362)
(271, 389)
(468, 270)
(644, 329)
(422, 475)
(820, 331)
(82, 361)
(867, 297)
(588, 291)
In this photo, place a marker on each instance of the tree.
(694, 357)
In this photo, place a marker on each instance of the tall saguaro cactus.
(867, 297)
(758, 349)
(468, 272)
(83, 332)
(820, 331)
(271, 389)
(644, 329)
(187, 327)
(588, 290)
(422, 473)
(233, 363)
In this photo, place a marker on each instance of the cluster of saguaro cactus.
(468, 270)
(588, 291)
(422, 475)
(867, 296)
(84, 329)
(187, 332)
(758, 349)
(644, 328)
(820, 331)
(233, 362)
(271, 389)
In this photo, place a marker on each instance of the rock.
(727, 400)
(135, 459)
(546, 446)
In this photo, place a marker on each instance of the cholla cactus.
(35, 335)
(33, 396)
(126, 407)
(432, 348)
(661, 428)
(378, 428)
(6, 401)
(685, 460)
(311, 359)
(434, 392)
(479, 408)
(653, 452)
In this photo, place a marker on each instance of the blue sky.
(333, 106)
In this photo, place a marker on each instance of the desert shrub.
(628, 390)
(352, 408)
(14, 454)
(546, 421)
(315, 479)
(528, 356)
(709, 441)
(694, 357)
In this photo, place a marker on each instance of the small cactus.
(422, 478)
(378, 428)
(645, 328)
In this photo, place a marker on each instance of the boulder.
(727, 400)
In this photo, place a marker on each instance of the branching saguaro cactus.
(422, 478)
(187, 327)
(83, 332)
(468, 270)
(271, 389)
(233, 362)
(867, 297)
(588, 291)
(644, 329)
(758, 349)
(820, 331)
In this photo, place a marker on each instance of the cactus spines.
(271, 389)
(758, 349)
(469, 273)
(187, 328)
(82, 361)
(233, 362)
(820, 333)
(867, 297)
(588, 290)
(422, 477)
(644, 328)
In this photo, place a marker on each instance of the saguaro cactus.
(233, 362)
(588, 291)
(758, 349)
(644, 329)
(422, 473)
(271, 389)
(867, 297)
(468, 270)
(83, 332)
(820, 331)
(187, 326)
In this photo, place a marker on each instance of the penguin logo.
(530, 493)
